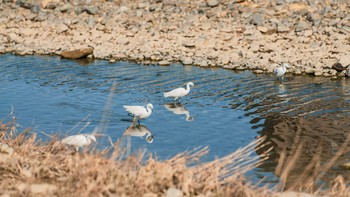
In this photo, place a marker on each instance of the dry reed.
(40, 169)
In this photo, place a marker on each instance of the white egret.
(139, 112)
(179, 109)
(179, 92)
(281, 70)
(79, 140)
(139, 131)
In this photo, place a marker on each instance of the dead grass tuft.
(36, 168)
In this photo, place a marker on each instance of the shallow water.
(225, 110)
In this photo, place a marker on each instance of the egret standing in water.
(281, 70)
(179, 92)
(139, 112)
(78, 141)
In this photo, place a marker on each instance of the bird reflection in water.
(179, 109)
(139, 130)
(282, 90)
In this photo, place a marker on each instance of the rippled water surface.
(225, 110)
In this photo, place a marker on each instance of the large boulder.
(77, 54)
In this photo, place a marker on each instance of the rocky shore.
(312, 35)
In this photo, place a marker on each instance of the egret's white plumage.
(139, 112)
(79, 140)
(279, 71)
(179, 109)
(179, 92)
(139, 131)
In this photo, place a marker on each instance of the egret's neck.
(149, 110)
(188, 87)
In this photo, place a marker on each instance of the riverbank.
(312, 36)
(30, 167)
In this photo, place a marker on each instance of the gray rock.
(78, 10)
(24, 4)
(143, 5)
(314, 18)
(203, 63)
(345, 60)
(91, 21)
(187, 60)
(61, 28)
(189, 44)
(123, 9)
(31, 16)
(238, 1)
(213, 3)
(279, 2)
(35, 8)
(301, 26)
(173, 192)
(309, 70)
(164, 63)
(257, 19)
(65, 8)
(41, 17)
(90, 10)
(281, 28)
(318, 72)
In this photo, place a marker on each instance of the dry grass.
(52, 168)
(40, 169)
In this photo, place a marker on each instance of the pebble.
(345, 60)
(213, 3)
(187, 61)
(301, 26)
(257, 19)
(164, 63)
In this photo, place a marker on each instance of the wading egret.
(279, 71)
(179, 92)
(139, 112)
(139, 131)
(179, 109)
(79, 140)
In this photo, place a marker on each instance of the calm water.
(225, 110)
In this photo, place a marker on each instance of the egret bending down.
(179, 92)
(279, 71)
(79, 140)
(139, 112)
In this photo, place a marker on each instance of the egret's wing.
(136, 110)
(74, 139)
(174, 93)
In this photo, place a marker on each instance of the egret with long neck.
(281, 70)
(179, 92)
(139, 112)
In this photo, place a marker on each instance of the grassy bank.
(29, 167)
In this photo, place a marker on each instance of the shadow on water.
(231, 108)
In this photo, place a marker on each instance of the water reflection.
(179, 109)
(314, 141)
(139, 130)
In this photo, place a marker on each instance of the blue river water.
(225, 110)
